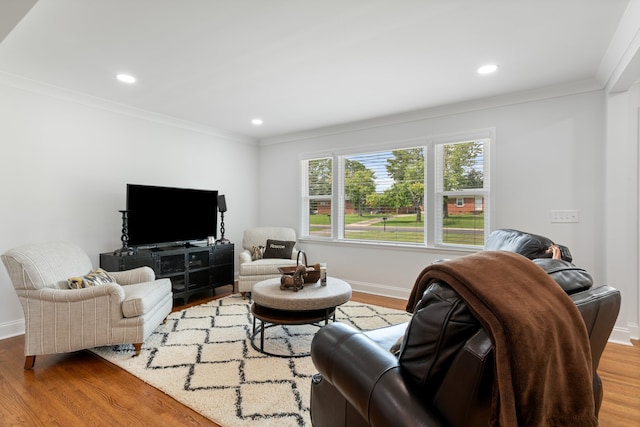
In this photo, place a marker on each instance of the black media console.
(192, 269)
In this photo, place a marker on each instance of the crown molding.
(620, 65)
(68, 95)
(572, 88)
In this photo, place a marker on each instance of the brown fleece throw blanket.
(543, 368)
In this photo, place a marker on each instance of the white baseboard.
(634, 330)
(620, 336)
(11, 329)
(382, 290)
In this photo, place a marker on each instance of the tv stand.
(191, 268)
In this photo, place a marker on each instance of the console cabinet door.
(222, 264)
(191, 270)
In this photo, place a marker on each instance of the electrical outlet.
(564, 216)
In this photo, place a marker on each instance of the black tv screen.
(167, 215)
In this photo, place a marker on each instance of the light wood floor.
(82, 389)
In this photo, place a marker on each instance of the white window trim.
(430, 211)
(304, 191)
(434, 210)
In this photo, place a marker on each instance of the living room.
(67, 157)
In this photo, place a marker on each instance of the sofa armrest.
(55, 295)
(64, 320)
(244, 256)
(599, 308)
(135, 275)
(369, 378)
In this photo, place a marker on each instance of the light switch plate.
(564, 216)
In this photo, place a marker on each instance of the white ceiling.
(303, 64)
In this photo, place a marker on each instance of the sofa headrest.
(530, 245)
(570, 278)
(45, 265)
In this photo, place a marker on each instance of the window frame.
(432, 212)
(306, 197)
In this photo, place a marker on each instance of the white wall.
(66, 160)
(620, 248)
(548, 155)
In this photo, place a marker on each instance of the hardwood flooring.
(82, 389)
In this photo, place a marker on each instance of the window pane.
(384, 196)
(320, 218)
(319, 178)
(463, 225)
(463, 166)
(461, 175)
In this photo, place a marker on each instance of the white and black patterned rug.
(203, 358)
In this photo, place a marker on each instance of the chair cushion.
(134, 275)
(95, 278)
(278, 249)
(389, 337)
(139, 298)
(265, 266)
(439, 328)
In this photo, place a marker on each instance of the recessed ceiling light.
(126, 78)
(487, 69)
(256, 122)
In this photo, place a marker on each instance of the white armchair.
(252, 270)
(60, 320)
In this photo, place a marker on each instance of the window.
(383, 196)
(432, 194)
(317, 193)
(461, 192)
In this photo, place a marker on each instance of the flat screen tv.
(161, 216)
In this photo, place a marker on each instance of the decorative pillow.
(95, 278)
(257, 252)
(278, 249)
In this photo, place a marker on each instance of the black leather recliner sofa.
(362, 383)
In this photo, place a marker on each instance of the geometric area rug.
(202, 357)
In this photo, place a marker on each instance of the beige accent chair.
(60, 320)
(254, 271)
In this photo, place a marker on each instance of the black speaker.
(222, 204)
